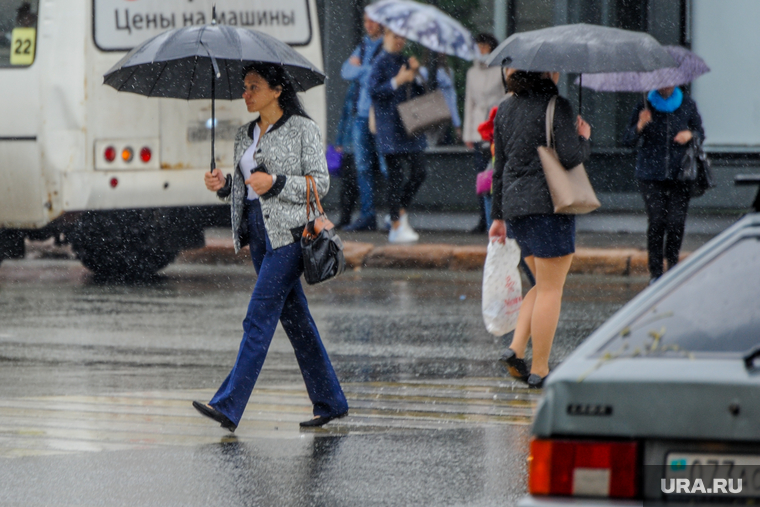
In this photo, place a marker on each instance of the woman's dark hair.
(276, 75)
(521, 82)
(487, 38)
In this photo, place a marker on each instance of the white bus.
(118, 175)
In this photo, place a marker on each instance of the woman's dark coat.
(519, 185)
(391, 137)
(659, 157)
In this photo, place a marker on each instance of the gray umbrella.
(205, 62)
(689, 68)
(581, 48)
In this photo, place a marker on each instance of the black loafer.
(515, 366)
(215, 415)
(535, 381)
(321, 420)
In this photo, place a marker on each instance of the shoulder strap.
(362, 49)
(376, 52)
(311, 186)
(550, 122)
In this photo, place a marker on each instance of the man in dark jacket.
(661, 131)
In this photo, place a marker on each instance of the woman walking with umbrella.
(522, 209)
(267, 193)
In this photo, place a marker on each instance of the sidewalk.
(610, 244)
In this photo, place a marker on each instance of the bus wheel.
(126, 244)
(11, 244)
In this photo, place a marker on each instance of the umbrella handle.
(213, 123)
(216, 75)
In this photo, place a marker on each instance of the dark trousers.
(349, 189)
(667, 203)
(401, 191)
(278, 295)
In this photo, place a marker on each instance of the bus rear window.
(18, 32)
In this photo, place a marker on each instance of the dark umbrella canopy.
(690, 67)
(180, 63)
(581, 48)
(205, 62)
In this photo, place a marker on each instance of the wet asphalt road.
(96, 381)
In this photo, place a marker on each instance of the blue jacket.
(391, 137)
(344, 136)
(360, 73)
(659, 157)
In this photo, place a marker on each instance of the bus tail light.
(127, 154)
(109, 154)
(583, 468)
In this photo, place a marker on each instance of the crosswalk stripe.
(49, 425)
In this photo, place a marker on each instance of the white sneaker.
(404, 219)
(403, 234)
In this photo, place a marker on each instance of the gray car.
(662, 403)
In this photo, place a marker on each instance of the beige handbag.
(372, 122)
(571, 190)
(424, 112)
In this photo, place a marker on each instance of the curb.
(603, 261)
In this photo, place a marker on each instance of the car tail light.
(127, 154)
(109, 154)
(114, 182)
(583, 468)
(145, 154)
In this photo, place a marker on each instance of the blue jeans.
(364, 150)
(278, 295)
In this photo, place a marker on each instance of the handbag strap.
(550, 122)
(311, 184)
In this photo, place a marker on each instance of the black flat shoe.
(535, 381)
(215, 415)
(515, 366)
(321, 420)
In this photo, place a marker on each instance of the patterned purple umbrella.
(689, 68)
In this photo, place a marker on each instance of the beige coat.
(484, 91)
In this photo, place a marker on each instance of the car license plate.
(712, 474)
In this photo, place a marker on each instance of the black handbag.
(696, 169)
(321, 246)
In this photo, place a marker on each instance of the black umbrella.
(183, 62)
(581, 48)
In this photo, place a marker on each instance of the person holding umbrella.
(395, 79)
(267, 192)
(522, 209)
(661, 129)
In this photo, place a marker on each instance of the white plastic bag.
(502, 287)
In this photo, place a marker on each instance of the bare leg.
(522, 331)
(550, 282)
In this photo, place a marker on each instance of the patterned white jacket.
(291, 150)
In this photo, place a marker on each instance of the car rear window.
(716, 312)
(18, 32)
